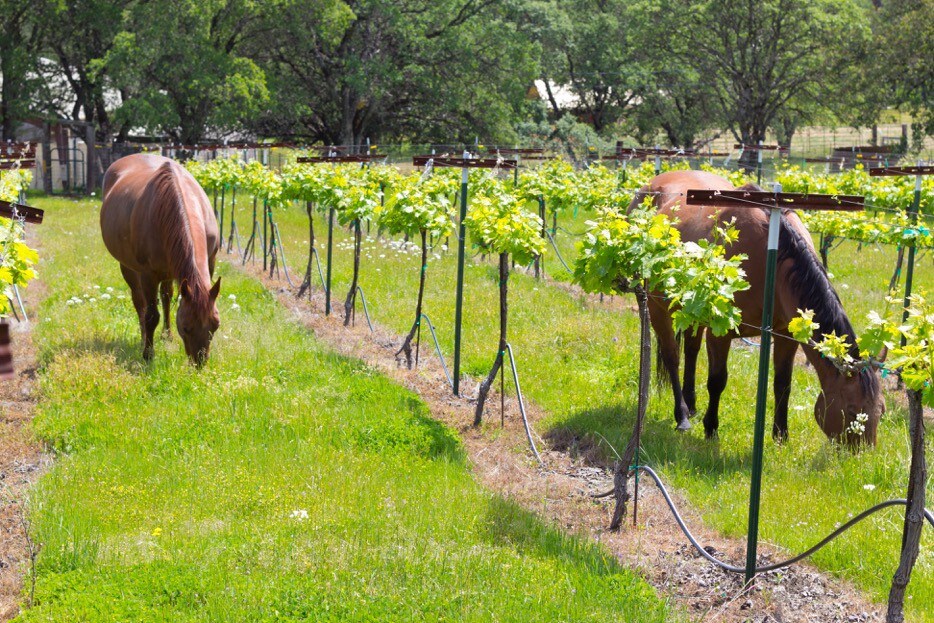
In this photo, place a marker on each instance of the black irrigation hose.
(558, 253)
(778, 565)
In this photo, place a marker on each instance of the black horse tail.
(662, 378)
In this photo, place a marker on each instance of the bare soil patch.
(562, 491)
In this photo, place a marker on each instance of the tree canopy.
(341, 71)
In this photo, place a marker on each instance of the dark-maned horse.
(801, 283)
(158, 223)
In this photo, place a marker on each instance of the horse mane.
(169, 204)
(809, 281)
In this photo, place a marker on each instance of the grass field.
(279, 483)
(577, 360)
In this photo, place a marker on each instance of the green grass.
(279, 483)
(578, 361)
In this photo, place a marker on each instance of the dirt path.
(562, 491)
(21, 462)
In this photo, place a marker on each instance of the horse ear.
(216, 289)
(883, 354)
(184, 290)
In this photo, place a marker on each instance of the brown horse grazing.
(157, 222)
(801, 283)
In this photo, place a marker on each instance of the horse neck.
(185, 249)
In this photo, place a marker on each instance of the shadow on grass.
(127, 352)
(506, 522)
(600, 434)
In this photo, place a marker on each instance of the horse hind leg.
(132, 279)
(692, 344)
(668, 357)
(718, 352)
(165, 293)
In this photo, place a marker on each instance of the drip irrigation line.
(525, 419)
(571, 233)
(558, 253)
(434, 336)
(928, 515)
(366, 311)
(285, 266)
(314, 252)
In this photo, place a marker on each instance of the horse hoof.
(711, 434)
(684, 425)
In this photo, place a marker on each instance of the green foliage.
(500, 223)
(643, 246)
(420, 203)
(181, 70)
(885, 219)
(16, 257)
(914, 360)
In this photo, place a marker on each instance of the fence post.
(762, 389)
(459, 293)
(91, 164)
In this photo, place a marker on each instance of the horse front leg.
(783, 358)
(150, 317)
(668, 355)
(692, 344)
(718, 352)
(165, 293)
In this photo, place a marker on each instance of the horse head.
(849, 410)
(197, 320)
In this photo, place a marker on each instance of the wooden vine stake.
(917, 478)
(335, 156)
(775, 202)
(613, 260)
(914, 510)
(500, 224)
(464, 163)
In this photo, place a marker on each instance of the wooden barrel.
(6, 353)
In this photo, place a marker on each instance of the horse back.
(135, 209)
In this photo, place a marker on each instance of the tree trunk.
(352, 295)
(306, 283)
(750, 158)
(914, 511)
(621, 473)
(407, 343)
(503, 316)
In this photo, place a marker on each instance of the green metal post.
(459, 296)
(909, 273)
(762, 389)
(327, 286)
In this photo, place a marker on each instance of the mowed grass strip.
(578, 361)
(279, 483)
